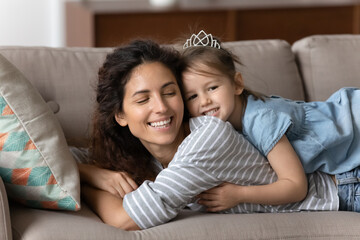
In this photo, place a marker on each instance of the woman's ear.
(239, 83)
(121, 120)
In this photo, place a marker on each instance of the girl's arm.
(290, 187)
(116, 183)
(108, 207)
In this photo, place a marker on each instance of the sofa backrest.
(328, 63)
(66, 77)
(269, 67)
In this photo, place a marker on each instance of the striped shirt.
(211, 154)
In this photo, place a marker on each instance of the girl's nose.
(205, 100)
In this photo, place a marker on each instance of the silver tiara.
(201, 39)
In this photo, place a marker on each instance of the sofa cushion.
(85, 225)
(328, 63)
(66, 79)
(5, 224)
(269, 67)
(35, 163)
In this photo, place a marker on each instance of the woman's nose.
(160, 106)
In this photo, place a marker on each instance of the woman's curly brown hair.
(113, 146)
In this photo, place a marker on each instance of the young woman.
(140, 117)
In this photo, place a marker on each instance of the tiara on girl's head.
(201, 39)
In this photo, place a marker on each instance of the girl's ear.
(121, 120)
(239, 83)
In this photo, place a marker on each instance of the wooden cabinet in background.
(108, 24)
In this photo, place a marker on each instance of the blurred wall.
(32, 23)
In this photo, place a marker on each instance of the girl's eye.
(213, 88)
(192, 97)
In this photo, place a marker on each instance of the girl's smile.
(208, 92)
(211, 112)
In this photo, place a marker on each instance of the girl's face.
(153, 107)
(208, 92)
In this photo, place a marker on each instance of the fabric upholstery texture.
(35, 163)
(59, 68)
(328, 63)
(85, 225)
(5, 224)
(67, 77)
(275, 74)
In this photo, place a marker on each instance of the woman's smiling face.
(153, 108)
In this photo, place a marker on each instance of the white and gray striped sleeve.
(155, 203)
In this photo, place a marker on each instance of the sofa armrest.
(5, 224)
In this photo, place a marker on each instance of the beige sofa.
(311, 69)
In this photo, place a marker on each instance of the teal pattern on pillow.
(35, 176)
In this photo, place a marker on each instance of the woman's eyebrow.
(147, 91)
(167, 84)
(139, 92)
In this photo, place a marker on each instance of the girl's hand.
(116, 183)
(220, 198)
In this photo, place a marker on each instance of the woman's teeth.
(161, 124)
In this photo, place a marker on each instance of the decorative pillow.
(35, 162)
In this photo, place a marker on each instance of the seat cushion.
(85, 225)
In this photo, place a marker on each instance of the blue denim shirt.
(325, 135)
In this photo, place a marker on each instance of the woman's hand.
(220, 198)
(116, 183)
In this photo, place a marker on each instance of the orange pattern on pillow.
(3, 137)
(7, 111)
(20, 176)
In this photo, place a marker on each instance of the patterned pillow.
(35, 163)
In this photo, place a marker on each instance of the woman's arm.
(108, 207)
(291, 185)
(116, 183)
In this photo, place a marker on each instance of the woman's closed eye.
(142, 100)
(169, 93)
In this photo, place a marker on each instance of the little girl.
(324, 135)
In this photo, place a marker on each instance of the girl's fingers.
(206, 196)
(212, 206)
(208, 204)
(215, 209)
(214, 190)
